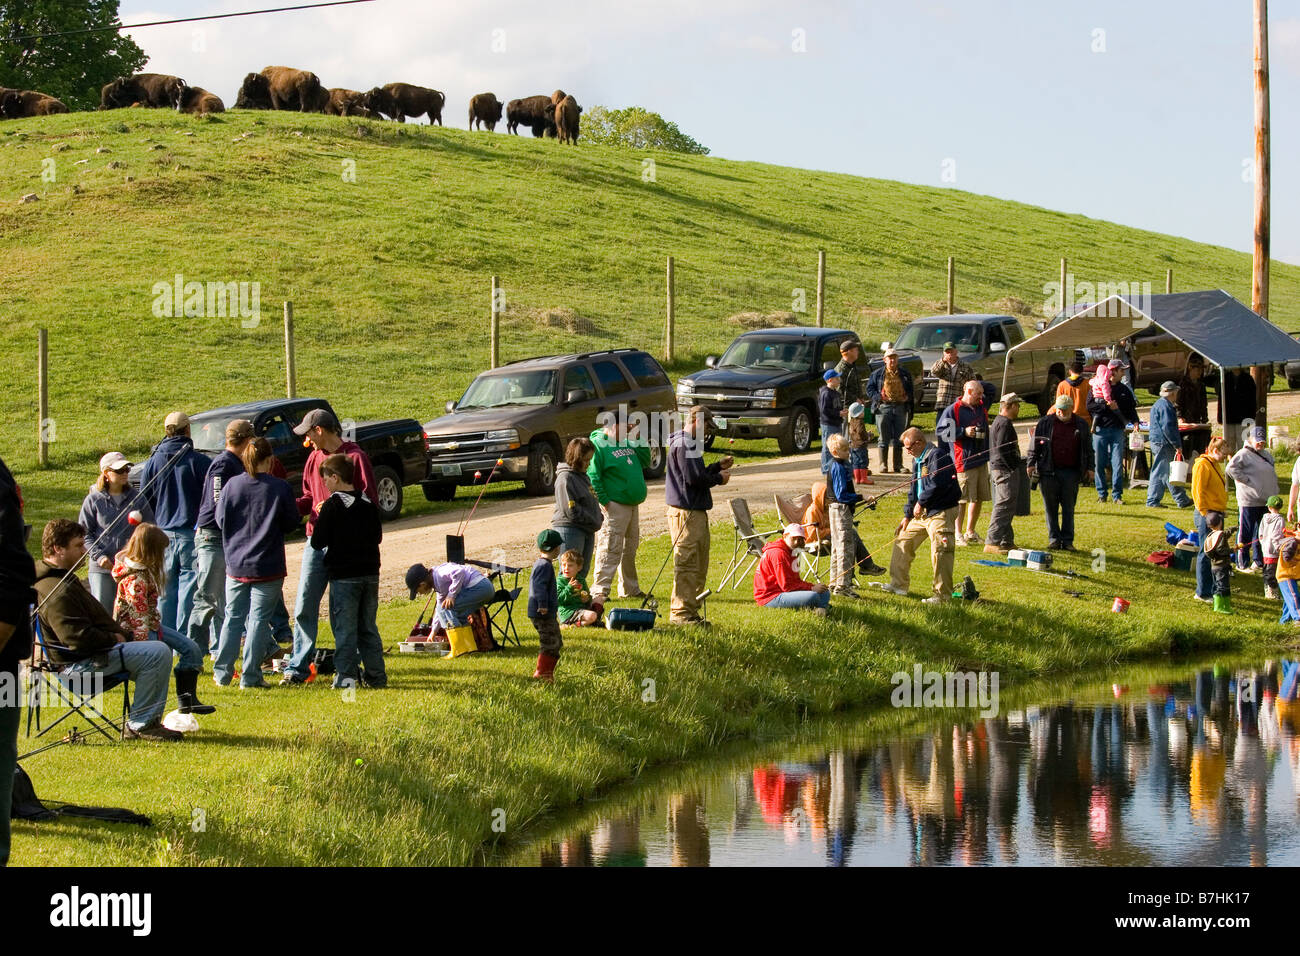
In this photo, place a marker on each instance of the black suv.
(765, 385)
(524, 413)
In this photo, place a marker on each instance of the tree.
(636, 128)
(73, 67)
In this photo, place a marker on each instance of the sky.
(1137, 112)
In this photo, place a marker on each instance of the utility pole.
(1262, 374)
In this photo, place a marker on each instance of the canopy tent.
(1212, 323)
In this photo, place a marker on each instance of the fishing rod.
(470, 516)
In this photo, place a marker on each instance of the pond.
(1187, 765)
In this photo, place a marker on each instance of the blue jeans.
(149, 663)
(892, 420)
(281, 629)
(827, 432)
(1060, 491)
(801, 599)
(1248, 534)
(584, 542)
(209, 589)
(177, 598)
(248, 614)
(468, 601)
(1161, 456)
(1108, 446)
(354, 602)
(191, 658)
(1204, 574)
(312, 581)
(102, 586)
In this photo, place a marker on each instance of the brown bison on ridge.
(200, 102)
(485, 109)
(282, 88)
(20, 104)
(348, 103)
(537, 112)
(158, 90)
(566, 120)
(254, 93)
(400, 100)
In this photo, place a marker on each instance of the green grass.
(390, 274)
(451, 743)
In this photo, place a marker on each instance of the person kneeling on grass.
(777, 584)
(573, 598)
(348, 531)
(543, 601)
(1218, 548)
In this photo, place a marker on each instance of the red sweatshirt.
(775, 573)
(314, 492)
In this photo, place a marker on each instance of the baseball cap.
(890, 351)
(238, 429)
(949, 346)
(1117, 363)
(1064, 401)
(794, 530)
(856, 409)
(1011, 398)
(1258, 433)
(315, 417)
(1274, 501)
(114, 460)
(548, 539)
(1168, 387)
(415, 575)
(829, 374)
(176, 420)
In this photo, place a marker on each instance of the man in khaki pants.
(617, 474)
(930, 512)
(689, 502)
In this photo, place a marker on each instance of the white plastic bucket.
(1180, 472)
(1278, 435)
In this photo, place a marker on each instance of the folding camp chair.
(501, 608)
(77, 690)
(748, 545)
(791, 511)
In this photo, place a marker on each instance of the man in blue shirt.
(687, 485)
(930, 512)
(1166, 441)
(209, 610)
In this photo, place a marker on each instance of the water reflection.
(1179, 773)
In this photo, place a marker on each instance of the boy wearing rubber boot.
(543, 604)
(1218, 548)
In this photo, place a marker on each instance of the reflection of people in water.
(617, 841)
(688, 830)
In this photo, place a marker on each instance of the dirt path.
(506, 530)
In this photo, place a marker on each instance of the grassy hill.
(389, 274)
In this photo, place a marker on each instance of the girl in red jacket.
(777, 584)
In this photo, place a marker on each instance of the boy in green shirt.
(574, 604)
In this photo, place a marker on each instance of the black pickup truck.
(765, 385)
(396, 447)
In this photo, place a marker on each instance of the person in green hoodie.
(618, 479)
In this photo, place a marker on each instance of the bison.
(400, 100)
(290, 89)
(145, 89)
(348, 103)
(566, 120)
(485, 109)
(537, 112)
(200, 102)
(557, 97)
(20, 104)
(254, 93)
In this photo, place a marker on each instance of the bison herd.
(285, 88)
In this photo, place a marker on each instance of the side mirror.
(576, 395)
(1040, 325)
(997, 347)
(711, 361)
(451, 405)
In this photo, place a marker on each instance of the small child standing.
(543, 604)
(1271, 529)
(574, 600)
(347, 529)
(840, 499)
(138, 571)
(1288, 579)
(1219, 550)
(859, 456)
(830, 412)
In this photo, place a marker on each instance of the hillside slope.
(389, 274)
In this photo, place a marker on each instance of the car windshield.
(793, 356)
(209, 431)
(510, 388)
(932, 337)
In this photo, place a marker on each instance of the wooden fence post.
(290, 362)
(1064, 274)
(952, 283)
(821, 288)
(670, 317)
(494, 325)
(1169, 281)
(43, 391)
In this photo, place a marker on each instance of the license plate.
(451, 470)
(720, 424)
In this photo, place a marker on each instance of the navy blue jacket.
(939, 489)
(175, 496)
(876, 383)
(829, 405)
(254, 514)
(1102, 414)
(839, 484)
(542, 592)
(224, 467)
(688, 480)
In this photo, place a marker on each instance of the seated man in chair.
(73, 618)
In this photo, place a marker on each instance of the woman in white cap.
(111, 498)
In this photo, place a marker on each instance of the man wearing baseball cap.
(889, 390)
(686, 485)
(1006, 468)
(850, 376)
(952, 373)
(778, 584)
(830, 412)
(105, 514)
(323, 433)
(1060, 457)
(175, 498)
(1166, 442)
(1255, 473)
